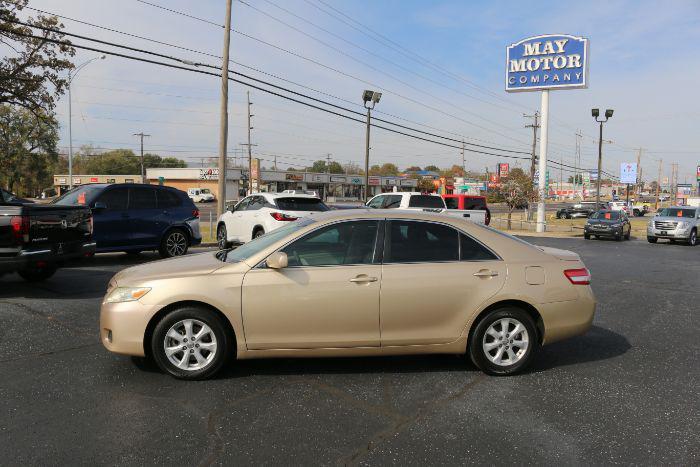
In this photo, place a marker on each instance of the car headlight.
(683, 225)
(126, 294)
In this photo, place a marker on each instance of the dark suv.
(135, 217)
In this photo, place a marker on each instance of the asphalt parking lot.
(627, 392)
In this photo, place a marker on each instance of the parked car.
(639, 209)
(301, 192)
(606, 223)
(36, 239)
(468, 202)
(413, 200)
(675, 223)
(134, 217)
(201, 195)
(352, 283)
(620, 206)
(582, 209)
(260, 213)
(10, 198)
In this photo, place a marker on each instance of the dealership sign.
(547, 62)
(628, 172)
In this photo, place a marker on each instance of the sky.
(439, 64)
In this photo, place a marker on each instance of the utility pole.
(223, 124)
(328, 163)
(674, 182)
(250, 149)
(577, 163)
(275, 161)
(639, 171)
(464, 164)
(143, 170)
(658, 185)
(534, 127)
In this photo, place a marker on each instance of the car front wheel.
(37, 273)
(221, 237)
(693, 239)
(652, 239)
(174, 243)
(503, 342)
(191, 343)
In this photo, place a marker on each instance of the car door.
(433, 279)
(327, 296)
(111, 221)
(234, 227)
(145, 219)
(252, 217)
(392, 202)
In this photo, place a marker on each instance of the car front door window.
(376, 202)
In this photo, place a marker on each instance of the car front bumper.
(123, 326)
(603, 232)
(681, 234)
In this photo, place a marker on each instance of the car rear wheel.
(693, 239)
(503, 342)
(38, 273)
(587, 236)
(221, 237)
(258, 233)
(652, 239)
(174, 243)
(191, 343)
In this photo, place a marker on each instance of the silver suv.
(675, 223)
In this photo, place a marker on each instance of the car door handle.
(362, 279)
(486, 273)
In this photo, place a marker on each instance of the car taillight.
(195, 213)
(20, 228)
(580, 276)
(278, 216)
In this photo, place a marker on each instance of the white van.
(200, 195)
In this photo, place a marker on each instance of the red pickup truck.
(461, 201)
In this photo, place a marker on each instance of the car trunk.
(564, 255)
(63, 228)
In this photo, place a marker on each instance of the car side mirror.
(277, 260)
(99, 206)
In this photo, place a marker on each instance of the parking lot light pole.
(596, 113)
(370, 99)
(71, 77)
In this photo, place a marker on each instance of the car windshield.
(677, 212)
(426, 201)
(81, 195)
(606, 215)
(301, 204)
(254, 246)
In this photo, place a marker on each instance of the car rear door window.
(426, 201)
(392, 202)
(471, 250)
(452, 203)
(474, 203)
(116, 198)
(301, 204)
(142, 197)
(416, 241)
(167, 199)
(338, 244)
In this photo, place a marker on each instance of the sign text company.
(547, 62)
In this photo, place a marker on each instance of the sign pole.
(542, 185)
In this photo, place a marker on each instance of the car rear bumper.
(26, 258)
(569, 318)
(123, 326)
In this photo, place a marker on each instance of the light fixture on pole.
(596, 113)
(370, 99)
(71, 77)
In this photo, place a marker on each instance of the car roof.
(270, 196)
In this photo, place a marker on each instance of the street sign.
(593, 175)
(586, 178)
(503, 169)
(628, 173)
(551, 61)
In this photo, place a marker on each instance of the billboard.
(503, 170)
(628, 173)
(551, 61)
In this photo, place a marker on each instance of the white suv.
(260, 213)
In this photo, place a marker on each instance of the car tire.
(618, 237)
(652, 239)
(558, 215)
(174, 243)
(488, 342)
(190, 361)
(693, 239)
(258, 232)
(37, 273)
(587, 236)
(221, 237)
(628, 234)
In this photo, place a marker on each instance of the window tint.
(426, 201)
(81, 195)
(301, 204)
(392, 202)
(243, 205)
(411, 241)
(343, 243)
(376, 202)
(115, 199)
(168, 199)
(471, 250)
(452, 203)
(256, 202)
(142, 197)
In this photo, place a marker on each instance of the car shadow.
(596, 345)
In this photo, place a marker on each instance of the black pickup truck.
(36, 238)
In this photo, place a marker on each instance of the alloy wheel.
(176, 244)
(505, 342)
(190, 345)
(221, 237)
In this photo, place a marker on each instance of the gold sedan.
(352, 283)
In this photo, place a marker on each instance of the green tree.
(413, 168)
(318, 167)
(32, 71)
(432, 168)
(426, 185)
(28, 155)
(517, 191)
(335, 168)
(388, 169)
(375, 170)
(118, 162)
